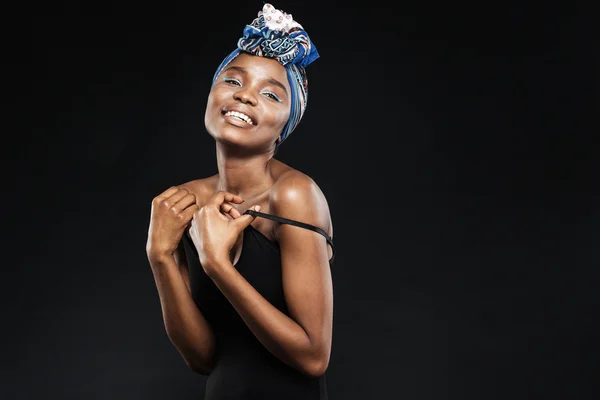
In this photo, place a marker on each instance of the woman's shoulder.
(290, 186)
(296, 195)
(284, 174)
(289, 179)
(202, 188)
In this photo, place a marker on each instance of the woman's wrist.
(160, 259)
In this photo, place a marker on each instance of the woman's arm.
(303, 339)
(185, 325)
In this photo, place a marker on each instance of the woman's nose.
(245, 96)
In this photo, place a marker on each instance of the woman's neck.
(247, 176)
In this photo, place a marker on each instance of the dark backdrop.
(454, 145)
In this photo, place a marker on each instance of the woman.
(247, 296)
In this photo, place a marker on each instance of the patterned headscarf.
(275, 34)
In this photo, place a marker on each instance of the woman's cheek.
(285, 115)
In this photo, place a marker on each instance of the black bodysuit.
(244, 368)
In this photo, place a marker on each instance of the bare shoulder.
(202, 188)
(297, 196)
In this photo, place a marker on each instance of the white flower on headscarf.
(277, 20)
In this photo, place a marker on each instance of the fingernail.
(257, 208)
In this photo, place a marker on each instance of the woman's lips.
(238, 114)
(237, 121)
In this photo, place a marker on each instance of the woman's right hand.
(171, 213)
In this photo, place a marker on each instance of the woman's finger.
(228, 208)
(188, 213)
(222, 196)
(185, 201)
(166, 194)
(174, 198)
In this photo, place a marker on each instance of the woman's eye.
(273, 96)
(232, 81)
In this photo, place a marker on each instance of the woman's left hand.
(215, 228)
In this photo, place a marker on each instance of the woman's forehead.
(260, 66)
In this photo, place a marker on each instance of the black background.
(455, 146)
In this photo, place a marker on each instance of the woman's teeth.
(241, 116)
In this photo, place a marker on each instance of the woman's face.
(249, 103)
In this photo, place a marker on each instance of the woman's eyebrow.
(277, 83)
(235, 67)
(270, 80)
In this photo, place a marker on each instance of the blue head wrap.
(275, 34)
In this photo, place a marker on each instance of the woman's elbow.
(316, 370)
(199, 368)
(317, 367)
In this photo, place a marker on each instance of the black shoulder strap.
(296, 223)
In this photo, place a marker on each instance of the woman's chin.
(231, 138)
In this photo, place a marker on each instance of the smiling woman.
(251, 93)
(247, 296)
